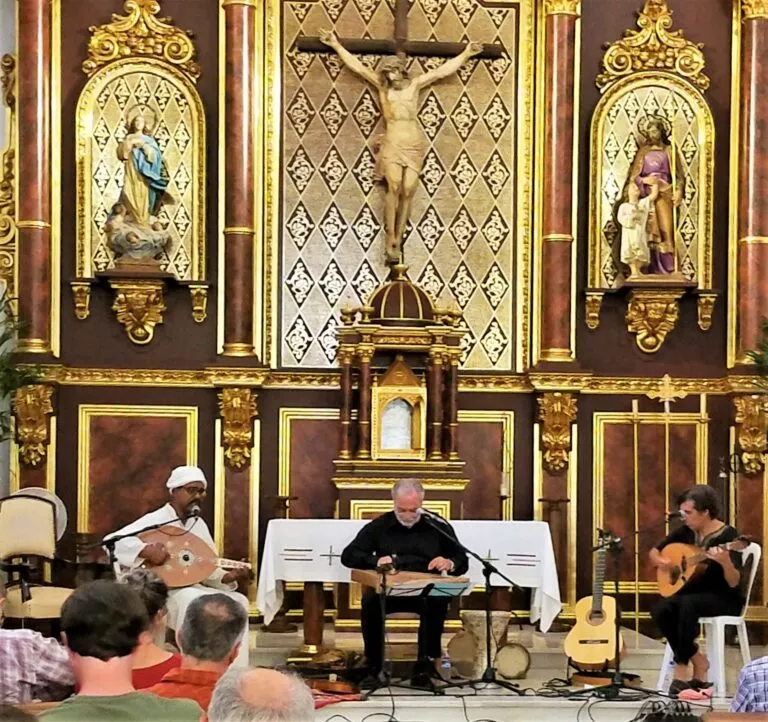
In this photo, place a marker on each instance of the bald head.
(261, 695)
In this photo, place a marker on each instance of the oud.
(688, 561)
(591, 644)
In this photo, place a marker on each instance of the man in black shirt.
(403, 539)
(713, 592)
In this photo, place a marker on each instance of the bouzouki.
(591, 644)
(688, 561)
(190, 560)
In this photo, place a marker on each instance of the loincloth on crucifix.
(388, 150)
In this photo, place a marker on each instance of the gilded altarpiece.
(469, 237)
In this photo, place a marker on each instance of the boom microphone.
(432, 515)
(193, 511)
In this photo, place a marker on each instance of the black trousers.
(677, 617)
(432, 610)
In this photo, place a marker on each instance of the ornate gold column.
(33, 219)
(239, 162)
(752, 224)
(555, 269)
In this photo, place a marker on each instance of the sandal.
(677, 686)
(699, 684)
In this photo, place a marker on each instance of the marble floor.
(534, 702)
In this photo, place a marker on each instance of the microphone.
(432, 515)
(193, 511)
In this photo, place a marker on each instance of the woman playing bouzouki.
(713, 592)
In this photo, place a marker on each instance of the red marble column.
(34, 181)
(435, 407)
(345, 358)
(452, 412)
(364, 415)
(239, 154)
(555, 268)
(752, 224)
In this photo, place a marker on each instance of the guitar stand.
(618, 680)
(384, 678)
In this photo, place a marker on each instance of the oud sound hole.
(186, 558)
(596, 617)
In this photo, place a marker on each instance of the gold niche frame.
(194, 192)
(399, 382)
(88, 411)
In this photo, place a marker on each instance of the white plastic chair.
(714, 632)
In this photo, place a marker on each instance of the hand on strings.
(235, 575)
(381, 561)
(720, 556)
(155, 554)
(440, 564)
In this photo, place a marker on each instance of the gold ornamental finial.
(141, 33)
(32, 407)
(557, 411)
(654, 48)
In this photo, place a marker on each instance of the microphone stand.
(489, 569)
(110, 541)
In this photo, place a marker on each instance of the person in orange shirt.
(209, 640)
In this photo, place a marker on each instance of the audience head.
(212, 629)
(103, 620)
(261, 695)
(699, 505)
(408, 496)
(152, 590)
(14, 714)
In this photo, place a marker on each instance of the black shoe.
(423, 674)
(677, 686)
(369, 681)
(698, 684)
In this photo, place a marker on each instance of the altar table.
(309, 550)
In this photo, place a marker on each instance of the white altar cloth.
(309, 550)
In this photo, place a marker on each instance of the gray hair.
(405, 486)
(213, 625)
(227, 703)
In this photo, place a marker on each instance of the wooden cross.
(399, 44)
(330, 555)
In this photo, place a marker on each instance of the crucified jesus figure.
(401, 150)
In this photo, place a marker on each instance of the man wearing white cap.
(187, 486)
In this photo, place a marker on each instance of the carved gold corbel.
(755, 9)
(654, 47)
(652, 314)
(706, 307)
(593, 306)
(238, 409)
(139, 306)
(752, 430)
(557, 411)
(199, 295)
(141, 33)
(81, 292)
(31, 408)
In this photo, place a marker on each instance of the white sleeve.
(215, 581)
(127, 551)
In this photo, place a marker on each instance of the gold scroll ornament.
(238, 409)
(752, 421)
(31, 407)
(557, 411)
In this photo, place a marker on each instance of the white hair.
(228, 705)
(404, 486)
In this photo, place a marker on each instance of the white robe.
(127, 553)
(633, 220)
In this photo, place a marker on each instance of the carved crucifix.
(401, 151)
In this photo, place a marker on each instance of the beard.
(408, 524)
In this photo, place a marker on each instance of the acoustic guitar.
(190, 560)
(688, 561)
(591, 644)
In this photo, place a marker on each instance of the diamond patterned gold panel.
(620, 145)
(175, 134)
(461, 244)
